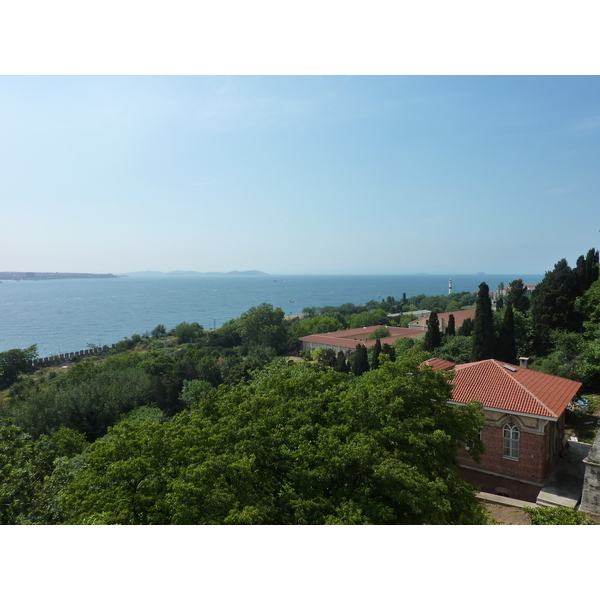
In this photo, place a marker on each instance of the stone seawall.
(59, 359)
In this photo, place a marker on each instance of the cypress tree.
(360, 360)
(500, 303)
(389, 350)
(376, 353)
(451, 329)
(433, 337)
(341, 364)
(466, 329)
(581, 275)
(507, 349)
(591, 268)
(484, 334)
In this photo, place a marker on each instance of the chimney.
(523, 362)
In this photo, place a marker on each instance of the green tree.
(159, 331)
(517, 295)
(484, 334)
(25, 466)
(565, 360)
(451, 329)
(360, 360)
(456, 349)
(433, 336)
(589, 306)
(16, 362)
(342, 364)
(507, 349)
(263, 325)
(368, 319)
(380, 332)
(389, 351)
(88, 407)
(466, 329)
(187, 332)
(376, 353)
(553, 306)
(328, 358)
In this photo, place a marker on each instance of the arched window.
(511, 441)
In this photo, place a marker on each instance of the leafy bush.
(89, 405)
(557, 515)
(380, 332)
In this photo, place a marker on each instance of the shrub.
(380, 332)
(557, 515)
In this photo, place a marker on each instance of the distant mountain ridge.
(37, 276)
(193, 273)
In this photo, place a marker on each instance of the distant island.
(192, 273)
(34, 276)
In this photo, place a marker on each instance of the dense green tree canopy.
(298, 445)
(367, 319)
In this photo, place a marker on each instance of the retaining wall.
(58, 359)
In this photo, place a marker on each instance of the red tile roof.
(346, 337)
(438, 364)
(513, 389)
(459, 316)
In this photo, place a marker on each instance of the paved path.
(564, 483)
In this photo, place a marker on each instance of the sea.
(67, 315)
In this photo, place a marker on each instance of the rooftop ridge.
(500, 366)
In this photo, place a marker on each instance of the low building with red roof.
(460, 316)
(346, 340)
(525, 423)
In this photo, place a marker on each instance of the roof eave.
(509, 412)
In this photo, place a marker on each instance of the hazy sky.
(382, 175)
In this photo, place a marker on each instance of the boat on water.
(277, 279)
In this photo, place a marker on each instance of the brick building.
(525, 423)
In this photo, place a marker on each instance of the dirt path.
(507, 515)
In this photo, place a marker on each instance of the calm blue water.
(67, 315)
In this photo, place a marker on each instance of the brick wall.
(496, 484)
(532, 465)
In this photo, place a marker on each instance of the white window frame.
(511, 437)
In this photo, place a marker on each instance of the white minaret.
(450, 286)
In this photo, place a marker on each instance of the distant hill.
(35, 276)
(191, 273)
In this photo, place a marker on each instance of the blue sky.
(348, 174)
